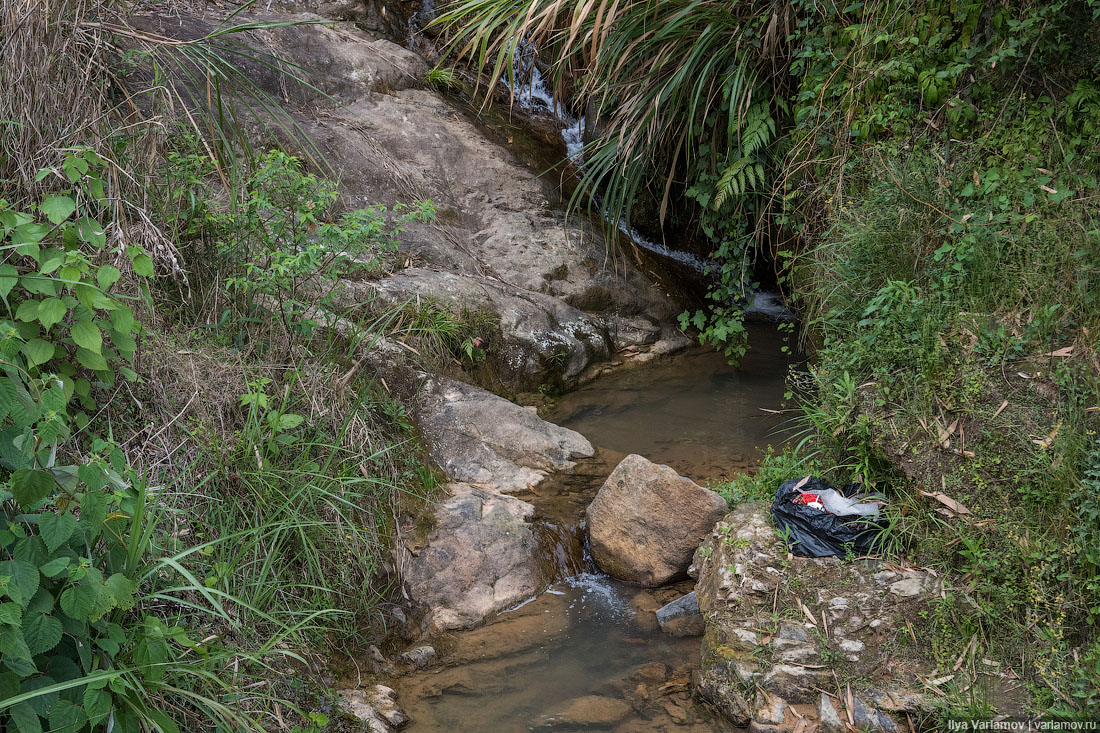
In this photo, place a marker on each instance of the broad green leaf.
(41, 603)
(79, 601)
(51, 311)
(150, 654)
(24, 580)
(11, 613)
(55, 566)
(42, 633)
(65, 717)
(91, 360)
(27, 311)
(37, 352)
(31, 487)
(56, 529)
(44, 701)
(122, 589)
(25, 719)
(89, 230)
(123, 319)
(9, 276)
(8, 396)
(143, 265)
(97, 703)
(40, 285)
(110, 646)
(31, 232)
(107, 276)
(12, 644)
(30, 550)
(57, 208)
(87, 335)
(290, 421)
(9, 685)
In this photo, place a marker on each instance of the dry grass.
(53, 65)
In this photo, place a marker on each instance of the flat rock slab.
(477, 437)
(647, 520)
(481, 558)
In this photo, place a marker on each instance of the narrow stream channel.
(588, 652)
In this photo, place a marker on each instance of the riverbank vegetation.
(198, 480)
(922, 179)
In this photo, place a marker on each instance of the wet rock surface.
(480, 438)
(480, 558)
(647, 520)
(787, 628)
(681, 617)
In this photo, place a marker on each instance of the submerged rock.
(591, 711)
(647, 520)
(837, 613)
(481, 558)
(480, 438)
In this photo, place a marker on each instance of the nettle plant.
(69, 551)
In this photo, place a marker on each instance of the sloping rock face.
(778, 627)
(481, 558)
(647, 520)
(540, 335)
(497, 243)
(480, 438)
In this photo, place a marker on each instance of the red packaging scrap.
(810, 500)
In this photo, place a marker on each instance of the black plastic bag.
(817, 533)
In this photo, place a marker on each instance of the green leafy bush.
(286, 249)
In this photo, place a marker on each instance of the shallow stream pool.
(588, 653)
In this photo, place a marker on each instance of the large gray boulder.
(481, 557)
(647, 520)
(480, 438)
(835, 614)
(551, 284)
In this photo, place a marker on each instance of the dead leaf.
(1048, 189)
(946, 500)
(1001, 408)
(1049, 440)
(1064, 352)
(947, 433)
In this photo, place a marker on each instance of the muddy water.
(588, 653)
(693, 412)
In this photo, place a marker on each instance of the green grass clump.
(760, 485)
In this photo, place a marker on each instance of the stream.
(588, 651)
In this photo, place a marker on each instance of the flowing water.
(588, 652)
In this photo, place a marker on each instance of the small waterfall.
(535, 96)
